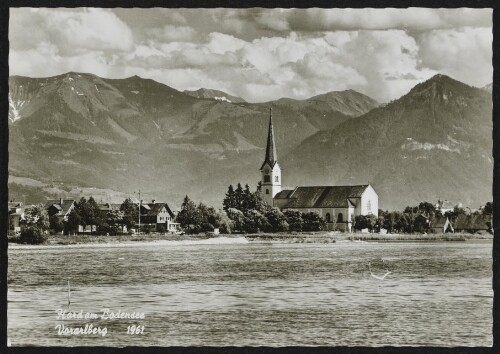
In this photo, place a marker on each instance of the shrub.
(160, 228)
(32, 235)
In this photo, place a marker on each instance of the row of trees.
(418, 218)
(247, 212)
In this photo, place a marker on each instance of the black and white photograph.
(250, 177)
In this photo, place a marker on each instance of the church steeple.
(271, 157)
(270, 170)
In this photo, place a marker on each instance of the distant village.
(269, 208)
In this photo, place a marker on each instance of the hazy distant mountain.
(215, 95)
(80, 130)
(488, 87)
(435, 142)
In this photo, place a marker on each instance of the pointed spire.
(271, 156)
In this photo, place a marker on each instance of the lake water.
(438, 294)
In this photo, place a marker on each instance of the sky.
(258, 54)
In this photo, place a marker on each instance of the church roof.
(324, 196)
(284, 194)
(439, 221)
(271, 157)
(473, 222)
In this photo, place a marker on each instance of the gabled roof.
(324, 196)
(473, 222)
(64, 207)
(284, 194)
(439, 221)
(154, 208)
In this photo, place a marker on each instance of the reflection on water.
(438, 294)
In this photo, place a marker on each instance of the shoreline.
(304, 237)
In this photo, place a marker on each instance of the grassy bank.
(294, 237)
(86, 239)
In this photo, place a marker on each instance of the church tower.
(270, 170)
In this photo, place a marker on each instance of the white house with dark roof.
(154, 214)
(337, 205)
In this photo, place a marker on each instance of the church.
(337, 205)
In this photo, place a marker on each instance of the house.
(337, 205)
(154, 214)
(16, 215)
(60, 207)
(441, 224)
(474, 223)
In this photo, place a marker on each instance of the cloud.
(71, 31)
(413, 19)
(258, 54)
(465, 53)
(170, 33)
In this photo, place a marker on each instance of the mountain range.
(78, 133)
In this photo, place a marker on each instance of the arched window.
(327, 216)
(276, 179)
(267, 178)
(340, 218)
(369, 205)
(267, 191)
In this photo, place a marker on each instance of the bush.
(160, 228)
(32, 235)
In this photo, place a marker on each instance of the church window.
(327, 216)
(340, 217)
(267, 178)
(369, 205)
(276, 179)
(267, 191)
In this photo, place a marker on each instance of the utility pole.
(24, 199)
(140, 201)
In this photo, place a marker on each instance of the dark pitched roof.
(154, 208)
(284, 194)
(473, 222)
(439, 221)
(64, 207)
(324, 196)
(271, 157)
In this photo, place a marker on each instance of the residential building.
(16, 215)
(60, 207)
(154, 214)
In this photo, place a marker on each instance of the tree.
(488, 208)
(93, 215)
(225, 223)
(36, 215)
(189, 217)
(238, 219)
(294, 220)
(313, 222)
(255, 222)
(427, 208)
(32, 234)
(238, 197)
(276, 220)
(74, 220)
(130, 213)
(55, 223)
(229, 201)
